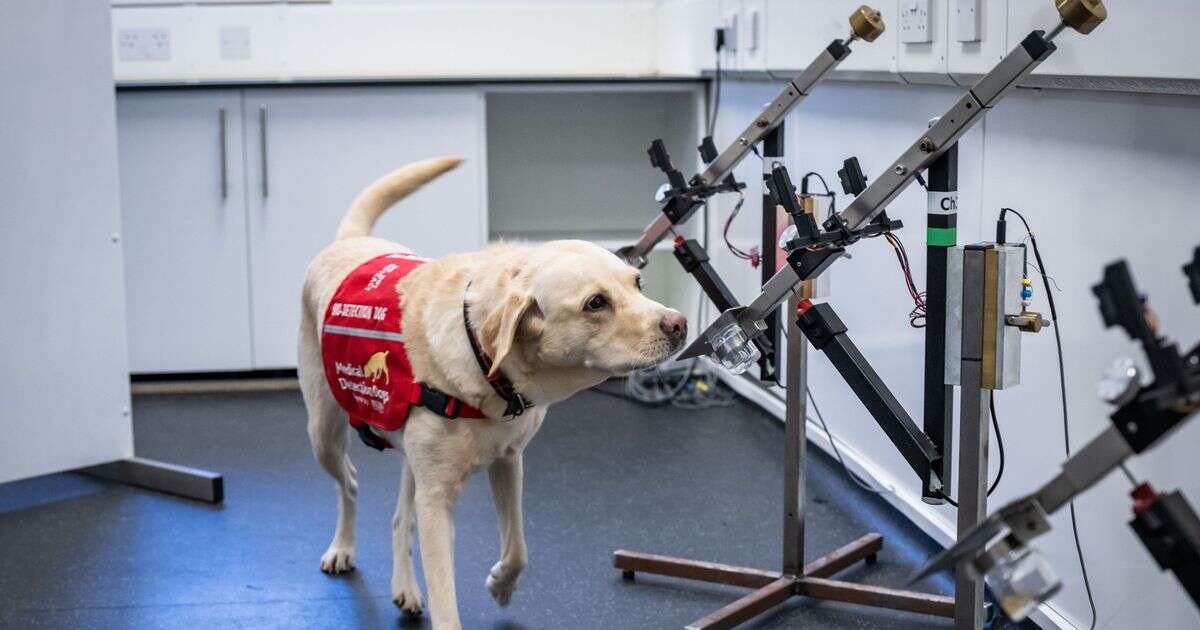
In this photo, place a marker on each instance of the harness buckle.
(439, 402)
(517, 405)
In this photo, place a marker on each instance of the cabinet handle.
(224, 171)
(262, 139)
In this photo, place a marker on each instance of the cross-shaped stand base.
(773, 588)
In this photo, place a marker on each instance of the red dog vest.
(362, 347)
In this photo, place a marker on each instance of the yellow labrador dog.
(553, 319)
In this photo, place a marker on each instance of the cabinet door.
(311, 150)
(183, 211)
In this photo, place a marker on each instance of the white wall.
(1144, 46)
(1100, 176)
(65, 386)
(416, 39)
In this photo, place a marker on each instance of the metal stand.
(191, 483)
(941, 235)
(797, 578)
(972, 446)
(772, 149)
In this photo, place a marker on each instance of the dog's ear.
(501, 328)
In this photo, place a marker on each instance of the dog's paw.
(337, 560)
(408, 599)
(501, 584)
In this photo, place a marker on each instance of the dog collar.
(516, 403)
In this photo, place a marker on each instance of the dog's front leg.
(506, 475)
(435, 500)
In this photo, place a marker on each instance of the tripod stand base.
(773, 588)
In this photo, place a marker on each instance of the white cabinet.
(320, 148)
(183, 212)
(214, 271)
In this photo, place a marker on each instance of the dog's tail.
(389, 189)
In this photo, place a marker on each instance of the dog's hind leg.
(406, 593)
(506, 476)
(328, 434)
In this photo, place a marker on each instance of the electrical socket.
(144, 44)
(915, 22)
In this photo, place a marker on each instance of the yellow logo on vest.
(376, 367)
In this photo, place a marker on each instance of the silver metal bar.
(655, 232)
(795, 456)
(950, 127)
(1026, 518)
(192, 483)
(791, 96)
(1086, 467)
(1055, 31)
(942, 135)
(781, 286)
(262, 140)
(793, 93)
(973, 437)
(221, 141)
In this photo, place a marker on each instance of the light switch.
(915, 22)
(753, 28)
(235, 42)
(968, 20)
(144, 44)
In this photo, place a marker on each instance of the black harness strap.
(504, 388)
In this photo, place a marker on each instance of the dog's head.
(576, 308)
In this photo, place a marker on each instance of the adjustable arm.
(827, 333)
(970, 109)
(844, 228)
(866, 24)
(694, 260)
(1145, 415)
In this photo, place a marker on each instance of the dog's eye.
(595, 303)
(637, 282)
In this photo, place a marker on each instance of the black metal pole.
(772, 149)
(940, 237)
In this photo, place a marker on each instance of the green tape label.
(941, 237)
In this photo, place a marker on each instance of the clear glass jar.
(1020, 581)
(733, 349)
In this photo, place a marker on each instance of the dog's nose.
(674, 324)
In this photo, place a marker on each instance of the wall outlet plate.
(235, 42)
(967, 14)
(144, 44)
(916, 22)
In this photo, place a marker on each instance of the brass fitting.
(1027, 321)
(866, 24)
(1082, 15)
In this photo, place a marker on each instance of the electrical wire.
(1062, 382)
(832, 440)
(694, 389)
(716, 101)
(999, 447)
(916, 317)
(1129, 475)
(833, 443)
(753, 256)
(999, 443)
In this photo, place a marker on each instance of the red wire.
(918, 297)
(753, 255)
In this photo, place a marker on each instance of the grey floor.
(603, 474)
